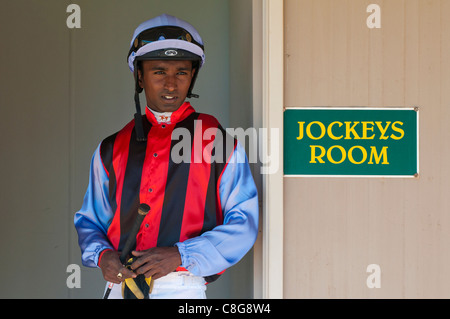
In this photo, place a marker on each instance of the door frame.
(268, 103)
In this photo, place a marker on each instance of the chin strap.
(139, 127)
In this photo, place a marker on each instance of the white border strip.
(417, 109)
(349, 108)
(354, 176)
(273, 102)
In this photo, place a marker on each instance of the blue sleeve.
(95, 216)
(223, 246)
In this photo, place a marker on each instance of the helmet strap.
(138, 125)
(190, 94)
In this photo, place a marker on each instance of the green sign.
(372, 142)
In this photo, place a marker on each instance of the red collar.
(183, 112)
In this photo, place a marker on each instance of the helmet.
(164, 37)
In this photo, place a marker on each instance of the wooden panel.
(335, 228)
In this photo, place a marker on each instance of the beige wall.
(335, 228)
(62, 91)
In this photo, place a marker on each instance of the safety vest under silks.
(176, 172)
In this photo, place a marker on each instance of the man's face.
(166, 83)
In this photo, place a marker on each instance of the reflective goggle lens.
(162, 33)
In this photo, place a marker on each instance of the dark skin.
(166, 84)
(154, 262)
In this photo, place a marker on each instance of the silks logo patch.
(171, 52)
